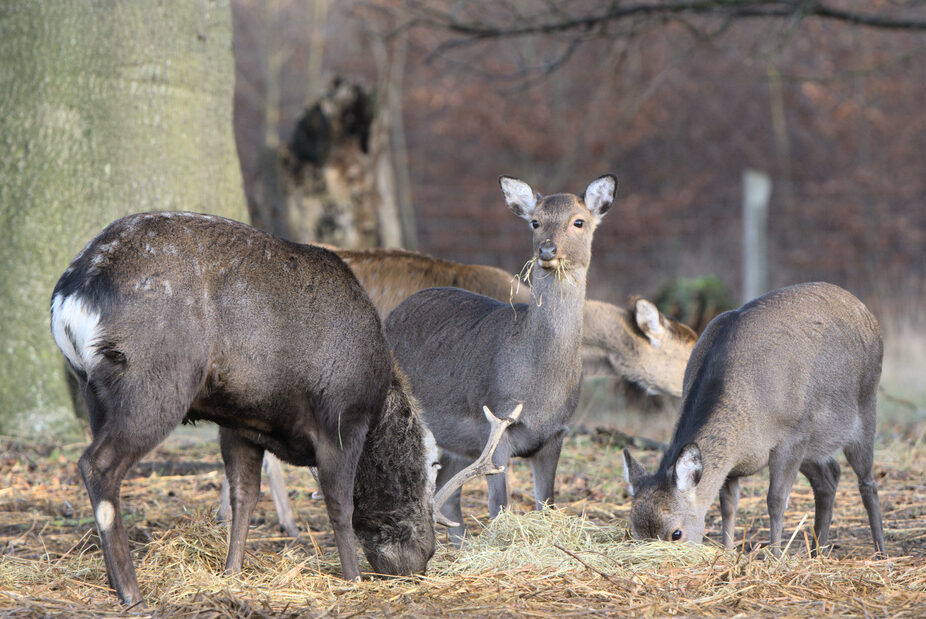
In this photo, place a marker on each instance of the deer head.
(563, 224)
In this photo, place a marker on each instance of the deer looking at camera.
(783, 382)
(168, 318)
(461, 350)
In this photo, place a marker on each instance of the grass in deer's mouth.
(562, 271)
(521, 277)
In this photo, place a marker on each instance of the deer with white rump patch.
(783, 382)
(168, 318)
(461, 350)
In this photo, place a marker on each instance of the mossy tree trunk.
(106, 108)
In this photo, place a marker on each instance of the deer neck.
(712, 432)
(555, 309)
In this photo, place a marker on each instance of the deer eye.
(535, 224)
(676, 535)
(578, 223)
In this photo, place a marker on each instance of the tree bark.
(108, 108)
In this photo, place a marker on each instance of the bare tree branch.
(556, 21)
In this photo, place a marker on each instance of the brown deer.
(782, 382)
(461, 350)
(169, 318)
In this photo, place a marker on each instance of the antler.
(482, 466)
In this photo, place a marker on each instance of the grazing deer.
(168, 318)
(639, 344)
(782, 382)
(461, 350)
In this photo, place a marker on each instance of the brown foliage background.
(833, 112)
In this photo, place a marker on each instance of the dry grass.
(574, 560)
(562, 271)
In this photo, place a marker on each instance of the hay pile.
(574, 560)
(553, 542)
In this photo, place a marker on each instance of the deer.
(461, 350)
(639, 344)
(782, 382)
(173, 317)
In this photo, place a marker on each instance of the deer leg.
(782, 471)
(224, 512)
(121, 436)
(450, 465)
(824, 478)
(103, 466)
(242, 469)
(279, 495)
(337, 467)
(498, 483)
(543, 468)
(861, 459)
(729, 500)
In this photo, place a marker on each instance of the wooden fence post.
(757, 188)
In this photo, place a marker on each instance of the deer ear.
(688, 468)
(648, 320)
(519, 196)
(633, 472)
(600, 194)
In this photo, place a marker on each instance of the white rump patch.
(76, 329)
(105, 514)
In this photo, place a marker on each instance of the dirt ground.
(51, 564)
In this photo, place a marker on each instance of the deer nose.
(547, 250)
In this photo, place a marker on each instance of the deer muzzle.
(546, 254)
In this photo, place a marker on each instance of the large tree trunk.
(106, 108)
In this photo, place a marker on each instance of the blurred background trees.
(676, 98)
